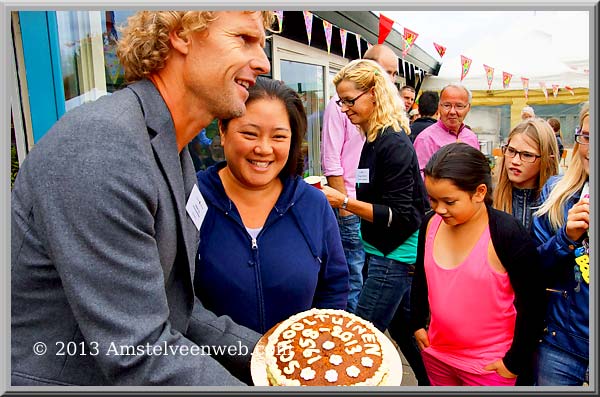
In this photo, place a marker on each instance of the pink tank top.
(472, 308)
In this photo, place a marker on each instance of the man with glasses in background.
(454, 105)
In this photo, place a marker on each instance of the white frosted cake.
(325, 347)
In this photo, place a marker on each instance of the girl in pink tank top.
(470, 295)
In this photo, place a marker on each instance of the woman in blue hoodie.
(269, 245)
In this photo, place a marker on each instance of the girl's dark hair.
(266, 88)
(462, 164)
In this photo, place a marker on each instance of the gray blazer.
(102, 253)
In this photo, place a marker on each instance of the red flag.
(409, 38)
(385, 27)
(555, 90)
(466, 64)
(506, 79)
(441, 50)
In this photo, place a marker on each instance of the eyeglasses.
(349, 102)
(581, 138)
(457, 106)
(527, 157)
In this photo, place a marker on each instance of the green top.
(405, 253)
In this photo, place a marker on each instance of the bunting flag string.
(328, 30)
(343, 37)
(466, 65)
(544, 90)
(506, 79)
(279, 15)
(489, 74)
(409, 37)
(308, 18)
(441, 50)
(525, 81)
(385, 27)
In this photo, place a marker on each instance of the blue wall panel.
(42, 63)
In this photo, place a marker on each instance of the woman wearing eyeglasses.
(390, 196)
(560, 230)
(530, 158)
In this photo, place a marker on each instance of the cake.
(325, 347)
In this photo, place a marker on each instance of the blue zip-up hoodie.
(295, 263)
(567, 317)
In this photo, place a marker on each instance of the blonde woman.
(390, 196)
(560, 229)
(530, 158)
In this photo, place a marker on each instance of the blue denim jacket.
(523, 201)
(567, 318)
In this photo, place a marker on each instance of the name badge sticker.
(362, 175)
(196, 207)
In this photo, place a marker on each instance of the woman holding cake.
(269, 245)
(478, 277)
(390, 197)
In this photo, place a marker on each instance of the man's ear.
(179, 43)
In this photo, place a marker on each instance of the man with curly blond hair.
(106, 214)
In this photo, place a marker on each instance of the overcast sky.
(459, 31)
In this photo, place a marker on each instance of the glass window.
(81, 57)
(114, 73)
(88, 58)
(309, 81)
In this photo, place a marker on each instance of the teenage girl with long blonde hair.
(560, 229)
(530, 158)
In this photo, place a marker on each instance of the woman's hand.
(500, 369)
(578, 219)
(335, 197)
(422, 338)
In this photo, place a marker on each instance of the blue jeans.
(386, 287)
(556, 367)
(355, 256)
